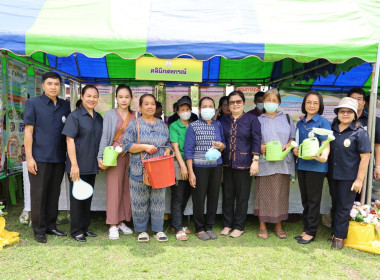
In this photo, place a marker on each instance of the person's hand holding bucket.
(150, 149)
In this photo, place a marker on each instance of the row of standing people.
(242, 137)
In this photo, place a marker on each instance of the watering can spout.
(324, 145)
(293, 144)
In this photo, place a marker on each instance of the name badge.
(347, 143)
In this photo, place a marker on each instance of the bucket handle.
(157, 148)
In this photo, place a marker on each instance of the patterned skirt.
(272, 198)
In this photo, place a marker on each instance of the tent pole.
(372, 123)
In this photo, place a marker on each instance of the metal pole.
(372, 122)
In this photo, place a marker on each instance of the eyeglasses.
(348, 112)
(312, 103)
(237, 102)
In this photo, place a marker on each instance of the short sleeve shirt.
(48, 120)
(303, 130)
(177, 132)
(86, 132)
(364, 121)
(345, 150)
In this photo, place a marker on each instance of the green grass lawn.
(247, 257)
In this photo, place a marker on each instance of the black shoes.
(56, 232)
(90, 234)
(41, 238)
(303, 241)
(298, 237)
(80, 238)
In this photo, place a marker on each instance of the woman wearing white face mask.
(182, 190)
(204, 175)
(273, 179)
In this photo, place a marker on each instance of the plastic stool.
(12, 189)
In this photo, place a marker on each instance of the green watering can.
(274, 150)
(310, 147)
(110, 155)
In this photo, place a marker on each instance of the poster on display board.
(249, 94)
(38, 81)
(16, 98)
(2, 111)
(106, 99)
(214, 92)
(291, 103)
(137, 92)
(172, 95)
(74, 94)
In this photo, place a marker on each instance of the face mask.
(208, 113)
(260, 106)
(185, 115)
(270, 107)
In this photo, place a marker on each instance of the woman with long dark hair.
(117, 187)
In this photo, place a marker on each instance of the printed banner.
(2, 111)
(137, 91)
(177, 69)
(38, 81)
(249, 94)
(214, 92)
(172, 95)
(16, 98)
(106, 99)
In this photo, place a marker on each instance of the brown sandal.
(263, 232)
(281, 234)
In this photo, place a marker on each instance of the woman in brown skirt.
(273, 179)
(117, 186)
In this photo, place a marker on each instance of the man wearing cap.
(182, 190)
(45, 149)
(348, 164)
(360, 96)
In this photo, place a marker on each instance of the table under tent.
(292, 45)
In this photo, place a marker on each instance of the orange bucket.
(160, 171)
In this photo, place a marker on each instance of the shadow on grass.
(153, 248)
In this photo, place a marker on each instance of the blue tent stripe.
(92, 67)
(18, 16)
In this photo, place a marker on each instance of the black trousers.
(342, 200)
(181, 193)
(236, 191)
(45, 188)
(311, 186)
(207, 184)
(80, 209)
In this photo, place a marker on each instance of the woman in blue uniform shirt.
(83, 130)
(311, 173)
(348, 164)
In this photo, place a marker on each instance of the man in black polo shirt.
(359, 95)
(45, 148)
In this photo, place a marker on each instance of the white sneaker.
(113, 233)
(124, 229)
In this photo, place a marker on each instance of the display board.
(16, 97)
(249, 94)
(214, 92)
(172, 95)
(2, 112)
(106, 99)
(137, 91)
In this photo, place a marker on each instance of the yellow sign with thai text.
(177, 69)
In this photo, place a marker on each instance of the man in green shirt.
(182, 190)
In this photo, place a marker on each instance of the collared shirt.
(177, 132)
(49, 145)
(199, 138)
(280, 129)
(345, 152)
(303, 130)
(243, 140)
(364, 121)
(86, 132)
(255, 112)
(156, 134)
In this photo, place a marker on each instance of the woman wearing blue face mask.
(204, 175)
(273, 179)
